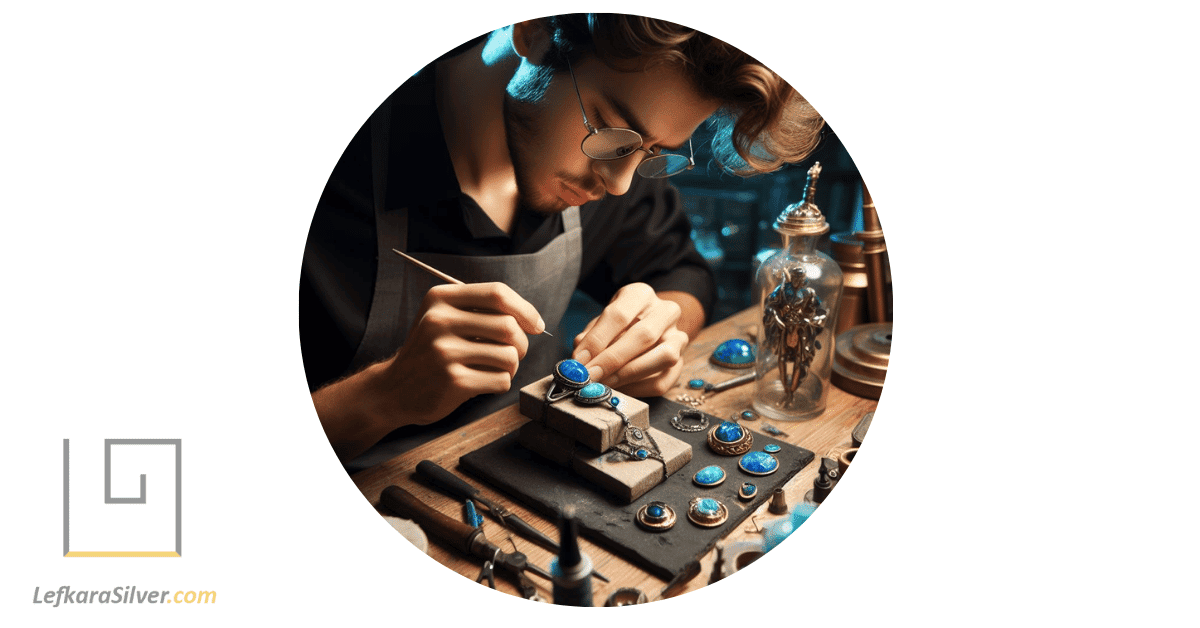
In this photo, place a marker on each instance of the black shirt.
(641, 236)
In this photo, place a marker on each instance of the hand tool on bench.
(459, 488)
(466, 538)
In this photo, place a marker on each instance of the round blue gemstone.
(748, 488)
(709, 476)
(728, 432)
(641, 453)
(593, 390)
(758, 462)
(573, 371)
(614, 401)
(708, 506)
(749, 415)
(772, 448)
(656, 511)
(696, 384)
(736, 351)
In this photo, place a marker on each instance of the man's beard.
(523, 137)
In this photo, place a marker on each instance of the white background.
(1031, 161)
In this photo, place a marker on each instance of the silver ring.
(571, 376)
(697, 422)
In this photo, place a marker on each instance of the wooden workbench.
(829, 431)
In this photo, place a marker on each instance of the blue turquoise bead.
(758, 463)
(772, 448)
(696, 384)
(728, 432)
(641, 453)
(573, 371)
(735, 352)
(615, 402)
(656, 511)
(708, 506)
(709, 476)
(593, 390)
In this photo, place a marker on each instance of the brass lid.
(804, 218)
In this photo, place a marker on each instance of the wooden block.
(550, 444)
(630, 479)
(594, 427)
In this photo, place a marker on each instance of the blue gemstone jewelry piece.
(656, 517)
(749, 415)
(711, 475)
(696, 384)
(593, 393)
(748, 491)
(569, 377)
(730, 439)
(642, 454)
(734, 354)
(707, 512)
(758, 463)
(772, 448)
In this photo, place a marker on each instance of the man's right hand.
(468, 340)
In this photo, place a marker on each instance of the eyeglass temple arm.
(578, 96)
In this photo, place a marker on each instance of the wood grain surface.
(830, 431)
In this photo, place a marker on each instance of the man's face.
(544, 133)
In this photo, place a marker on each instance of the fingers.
(647, 333)
(656, 361)
(490, 297)
(628, 304)
(446, 320)
(483, 356)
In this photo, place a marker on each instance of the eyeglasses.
(609, 143)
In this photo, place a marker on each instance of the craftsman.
(477, 166)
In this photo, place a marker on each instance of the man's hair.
(763, 122)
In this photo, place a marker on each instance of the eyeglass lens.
(608, 144)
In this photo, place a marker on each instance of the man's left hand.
(636, 344)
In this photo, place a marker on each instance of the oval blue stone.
(709, 475)
(728, 432)
(748, 489)
(735, 351)
(656, 511)
(758, 462)
(708, 506)
(772, 448)
(593, 390)
(641, 453)
(614, 401)
(573, 371)
(696, 384)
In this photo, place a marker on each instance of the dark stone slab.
(546, 487)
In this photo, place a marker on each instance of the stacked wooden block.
(582, 437)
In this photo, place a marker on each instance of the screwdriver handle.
(447, 480)
(456, 533)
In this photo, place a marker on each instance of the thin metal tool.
(459, 488)
(729, 383)
(439, 274)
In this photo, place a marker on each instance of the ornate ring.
(711, 475)
(696, 421)
(707, 512)
(730, 439)
(656, 517)
(758, 463)
(748, 491)
(571, 376)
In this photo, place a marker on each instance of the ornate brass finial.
(804, 218)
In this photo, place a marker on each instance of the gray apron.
(546, 279)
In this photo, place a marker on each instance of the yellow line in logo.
(122, 554)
